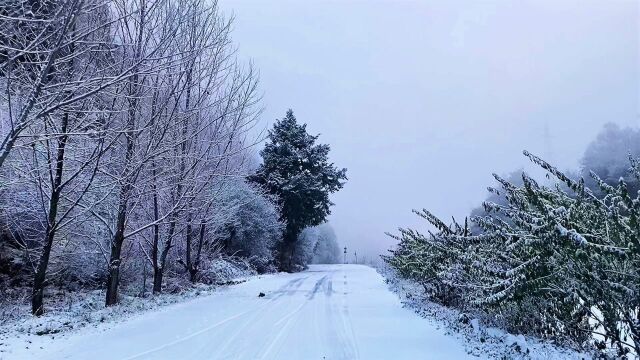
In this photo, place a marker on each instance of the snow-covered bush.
(327, 250)
(430, 260)
(563, 265)
(303, 249)
(246, 223)
(316, 244)
(226, 269)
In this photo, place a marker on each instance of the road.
(326, 312)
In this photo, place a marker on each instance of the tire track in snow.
(319, 284)
(345, 329)
(287, 289)
(291, 318)
(351, 316)
(284, 329)
(190, 336)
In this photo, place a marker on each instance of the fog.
(422, 101)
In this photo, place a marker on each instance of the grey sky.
(423, 100)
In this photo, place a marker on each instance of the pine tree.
(297, 171)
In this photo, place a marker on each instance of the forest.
(128, 156)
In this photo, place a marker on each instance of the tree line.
(127, 131)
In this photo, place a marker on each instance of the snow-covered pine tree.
(298, 172)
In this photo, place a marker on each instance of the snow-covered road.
(327, 312)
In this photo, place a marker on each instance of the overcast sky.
(422, 100)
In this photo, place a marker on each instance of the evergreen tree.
(298, 172)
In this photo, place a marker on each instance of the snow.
(572, 234)
(475, 325)
(479, 340)
(326, 312)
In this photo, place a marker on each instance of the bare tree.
(216, 111)
(119, 123)
(146, 36)
(36, 47)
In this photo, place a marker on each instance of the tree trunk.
(291, 254)
(39, 280)
(195, 266)
(113, 277)
(144, 278)
(128, 176)
(287, 250)
(157, 281)
(37, 295)
(188, 238)
(284, 256)
(159, 269)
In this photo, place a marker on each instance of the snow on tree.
(556, 262)
(318, 245)
(297, 171)
(303, 248)
(327, 250)
(607, 156)
(246, 223)
(117, 120)
(496, 197)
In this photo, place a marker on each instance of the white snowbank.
(478, 339)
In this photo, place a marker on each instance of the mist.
(422, 101)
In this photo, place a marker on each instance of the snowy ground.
(327, 312)
(477, 338)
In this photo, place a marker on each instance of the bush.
(556, 262)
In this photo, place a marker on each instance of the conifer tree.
(297, 171)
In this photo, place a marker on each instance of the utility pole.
(345, 255)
